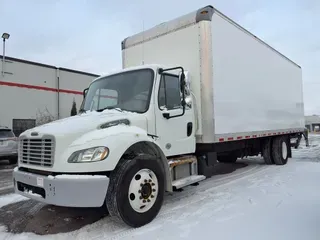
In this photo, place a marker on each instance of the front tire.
(280, 150)
(136, 190)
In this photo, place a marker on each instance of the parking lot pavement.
(42, 219)
(6, 185)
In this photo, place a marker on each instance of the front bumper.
(62, 190)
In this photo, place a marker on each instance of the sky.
(86, 35)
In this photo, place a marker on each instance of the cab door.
(176, 133)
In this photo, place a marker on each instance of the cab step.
(183, 182)
(184, 171)
(176, 161)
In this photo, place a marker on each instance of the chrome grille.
(37, 151)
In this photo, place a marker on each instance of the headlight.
(89, 155)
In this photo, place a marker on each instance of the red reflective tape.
(240, 137)
(274, 133)
(221, 139)
(230, 138)
(247, 137)
(20, 85)
(254, 136)
(41, 88)
(264, 134)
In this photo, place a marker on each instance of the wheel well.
(153, 150)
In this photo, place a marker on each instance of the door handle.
(189, 128)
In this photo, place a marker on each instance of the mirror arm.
(84, 92)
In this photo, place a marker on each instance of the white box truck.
(193, 92)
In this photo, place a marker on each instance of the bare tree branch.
(44, 117)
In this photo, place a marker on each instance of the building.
(313, 123)
(33, 93)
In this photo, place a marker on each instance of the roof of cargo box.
(202, 14)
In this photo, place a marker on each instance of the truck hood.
(85, 122)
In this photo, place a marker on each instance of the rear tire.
(267, 151)
(280, 150)
(136, 190)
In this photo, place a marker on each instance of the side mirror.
(187, 80)
(182, 81)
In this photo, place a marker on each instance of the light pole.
(5, 36)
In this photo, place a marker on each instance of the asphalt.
(6, 185)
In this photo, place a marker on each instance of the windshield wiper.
(102, 109)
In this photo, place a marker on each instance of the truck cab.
(136, 127)
(154, 97)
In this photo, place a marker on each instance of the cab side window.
(169, 96)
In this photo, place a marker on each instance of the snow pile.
(33, 194)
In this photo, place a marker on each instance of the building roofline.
(7, 58)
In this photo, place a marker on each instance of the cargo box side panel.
(255, 88)
(176, 48)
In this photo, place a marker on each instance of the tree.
(43, 117)
(74, 108)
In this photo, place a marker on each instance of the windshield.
(129, 91)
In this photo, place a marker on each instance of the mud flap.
(306, 138)
(206, 164)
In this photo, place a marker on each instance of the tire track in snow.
(205, 184)
(203, 190)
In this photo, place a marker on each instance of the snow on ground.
(11, 198)
(257, 202)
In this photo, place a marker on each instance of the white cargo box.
(244, 88)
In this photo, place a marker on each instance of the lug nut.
(145, 180)
(141, 197)
(150, 180)
(152, 196)
(139, 191)
(141, 185)
(148, 200)
(152, 184)
(144, 201)
(153, 190)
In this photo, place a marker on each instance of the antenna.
(142, 41)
